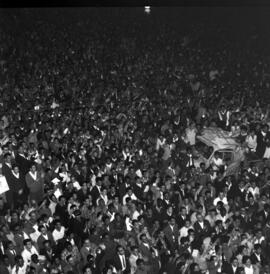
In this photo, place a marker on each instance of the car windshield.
(203, 149)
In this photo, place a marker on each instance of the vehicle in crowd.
(212, 140)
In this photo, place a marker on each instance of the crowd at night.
(100, 170)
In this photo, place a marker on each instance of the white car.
(212, 140)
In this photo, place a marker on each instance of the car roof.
(217, 138)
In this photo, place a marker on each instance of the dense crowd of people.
(99, 118)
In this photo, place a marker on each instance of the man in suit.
(18, 187)
(120, 261)
(230, 268)
(5, 266)
(171, 232)
(23, 163)
(11, 253)
(113, 178)
(182, 217)
(86, 251)
(96, 190)
(262, 136)
(61, 210)
(145, 248)
(263, 214)
(44, 235)
(201, 227)
(257, 257)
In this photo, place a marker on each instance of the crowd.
(99, 118)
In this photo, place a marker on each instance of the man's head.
(58, 224)
(19, 260)
(135, 250)
(258, 248)
(27, 244)
(234, 262)
(7, 158)
(187, 223)
(10, 245)
(172, 221)
(183, 211)
(199, 217)
(34, 258)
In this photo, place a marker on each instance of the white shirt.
(254, 191)
(252, 142)
(191, 136)
(58, 235)
(132, 260)
(77, 185)
(33, 175)
(123, 262)
(267, 153)
(34, 236)
(184, 232)
(21, 270)
(133, 197)
(201, 224)
(224, 201)
(234, 268)
(2, 248)
(65, 177)
(135, 215)
(104, 198)
(217, 163)
(249, 270)
(26, 254)
(160, 143)
(259, 241)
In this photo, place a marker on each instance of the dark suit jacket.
(138, 191)
(181, 221)
(261, 215)
(41, 239)
(3, 269)
(116, 262)
(228, 269)
(199, 231)
(11, 256)
(7, 172)
(16, 183)
(122, 190)
(145, 251)
(254, 259)
(172, 236)
(23, 163)
(261, 143)
(95, 194)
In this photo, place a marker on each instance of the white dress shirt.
(20, 270)
(58, 235)
(26, 254)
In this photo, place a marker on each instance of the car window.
(203, 149)
(227, 156)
